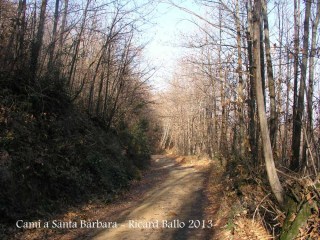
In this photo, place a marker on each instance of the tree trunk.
(271, 84)
(240, 91)
(263, 75)
(52, 45)
(313, 50)
(63, 25)
(20, 32)
(37, 43)
(77, 44)
(286, 121)
(276, 147)
(266, 143)
(300, 107)
(252, 101)
(222, 145)
(294, 165)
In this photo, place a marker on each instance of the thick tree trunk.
(266, 143)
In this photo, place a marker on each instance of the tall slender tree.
(294, 165)
(310, 92)
(300, 107)
(52, 45)
(37, 42)
(266, 143)
(271, 82)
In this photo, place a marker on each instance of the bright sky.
(164, 50)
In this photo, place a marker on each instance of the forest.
(79, 119)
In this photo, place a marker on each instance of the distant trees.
(228, 106)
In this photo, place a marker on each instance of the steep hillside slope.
(51, 160)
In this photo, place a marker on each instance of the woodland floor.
(172, 189)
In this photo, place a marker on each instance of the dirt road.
(166, 204)
(172, 209)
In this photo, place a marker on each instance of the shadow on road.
(172, 192)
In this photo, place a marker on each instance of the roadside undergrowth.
(238, 205)
(248, 210)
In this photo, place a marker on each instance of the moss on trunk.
(297, 216)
